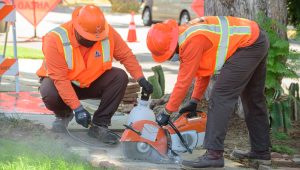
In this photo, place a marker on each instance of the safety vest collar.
(224, 30)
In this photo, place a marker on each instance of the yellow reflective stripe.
(223, 43)
(239, 30)
(76, 83)
(224, 30)
(203, 27)
(105, 50)
(68, 49)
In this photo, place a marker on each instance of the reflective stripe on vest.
(68, 49)
(105, 50)
(76, 83)
(225, 32)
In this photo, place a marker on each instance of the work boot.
(61, 123)
(103, 134)
(263, 157)
(212, 158)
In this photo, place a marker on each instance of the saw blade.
(143, 151)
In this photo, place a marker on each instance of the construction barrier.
(9, 67)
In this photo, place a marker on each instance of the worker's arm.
(200, 86)
(58, 70)
(124, 54)
(190, 57)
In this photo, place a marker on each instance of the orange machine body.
(161, 141)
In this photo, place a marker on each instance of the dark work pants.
(243, 74)
(109, 87)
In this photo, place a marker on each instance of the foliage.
(30, 156)
(280, 136)
(27, 53)
(281, 63)
(293, 12)
(280, 114)
(297, 37)
(283, 149)
(125, 6)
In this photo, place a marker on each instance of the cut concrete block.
(282, 162)
(296, 161)
(264, 167)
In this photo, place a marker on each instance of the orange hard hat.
(90, 23)
(162, 40)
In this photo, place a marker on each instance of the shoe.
(61, 123)
(239, 154)
(103, 134)
(212, 159)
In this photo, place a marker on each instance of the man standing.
(78, 65)
(236, 49)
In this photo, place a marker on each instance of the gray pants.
(243, 74)
(109, 87)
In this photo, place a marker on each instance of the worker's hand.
(82, 116)
(146, 85)
(190, 107)
(162, 118)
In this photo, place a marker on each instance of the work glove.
(147, 87)
(190, 107)
(162, 118)
(82, 117)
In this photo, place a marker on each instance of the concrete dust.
(98, 155)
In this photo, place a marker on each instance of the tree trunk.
(276, 9)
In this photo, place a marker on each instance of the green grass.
(26, 53)
(41, 155)
(280, 136)
(283, 149)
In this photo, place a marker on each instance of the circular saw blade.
(143, 151)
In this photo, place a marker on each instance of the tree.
(275, 9)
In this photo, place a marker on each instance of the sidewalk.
(29, 81)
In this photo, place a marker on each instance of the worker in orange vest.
(78, 65)
(234, 48)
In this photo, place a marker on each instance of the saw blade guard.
(147, 132)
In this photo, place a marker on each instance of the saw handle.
(180, 136)
(131, 128)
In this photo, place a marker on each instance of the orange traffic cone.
(131, 37)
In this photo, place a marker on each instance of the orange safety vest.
(226, 34)
(99, 57)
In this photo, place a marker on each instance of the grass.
(26, 146)
(281, 143)
(280, 136)
(23, 52)
(17, 155)
(283, 149)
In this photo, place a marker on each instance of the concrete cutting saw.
(146, 140)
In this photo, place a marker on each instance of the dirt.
(237, 134)
(237, 137)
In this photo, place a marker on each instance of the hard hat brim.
(168, 54)
(87, 35)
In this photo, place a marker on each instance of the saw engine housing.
(162, 141)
